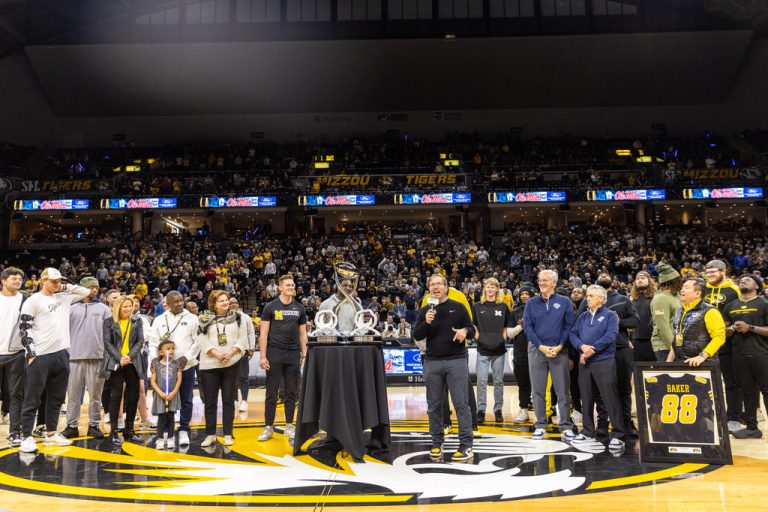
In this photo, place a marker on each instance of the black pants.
(166, 423)
(224, 380)
(601, 374)
(752, 376)
(520, 368)
(733, 399)
(13, 368)
(242, 378)
(48, 373)
(643, 350)
(125, 375)
(624, 358)
(283, 365)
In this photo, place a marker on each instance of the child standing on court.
(166, 381)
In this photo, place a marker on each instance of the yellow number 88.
(679, 407)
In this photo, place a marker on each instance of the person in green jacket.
(663, 307)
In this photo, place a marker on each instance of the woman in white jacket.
(223, 340)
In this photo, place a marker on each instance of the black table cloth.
(344, 392)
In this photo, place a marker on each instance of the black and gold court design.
(508, 465)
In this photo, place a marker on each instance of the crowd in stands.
(393, 269)
(502, 161)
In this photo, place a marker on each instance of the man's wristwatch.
(704, 355)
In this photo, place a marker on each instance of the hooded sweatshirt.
(86, 333)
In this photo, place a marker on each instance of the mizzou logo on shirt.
(715, 299)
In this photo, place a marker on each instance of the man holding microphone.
(445, 324)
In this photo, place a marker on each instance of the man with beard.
(748, 331)
(627, 316)
(641, 293)
(577, 297)
(12, 359)
(520, 353)
(720, 292)
(663, 307)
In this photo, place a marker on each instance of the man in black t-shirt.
(446, 325)
(747, 318)
(283, 347)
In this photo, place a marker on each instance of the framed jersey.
(681, 413)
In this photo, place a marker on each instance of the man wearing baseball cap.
(747, 319)
(663, 307)
(86, 333)
(45, 326)
(720, 292)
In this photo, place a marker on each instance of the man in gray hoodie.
(86, 331)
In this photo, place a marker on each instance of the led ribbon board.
(527, 197)
(723, 193)
(447, 198)
(626, 195)
(138, 203)
(51, 204)
(238, 202)
(348, 200)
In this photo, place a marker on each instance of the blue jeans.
(497, 369)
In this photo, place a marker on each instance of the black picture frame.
(664, 442)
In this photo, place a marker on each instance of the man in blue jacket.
(594, 336)
(547, 321)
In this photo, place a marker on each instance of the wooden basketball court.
(510, 472)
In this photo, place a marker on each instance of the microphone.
(432, 301)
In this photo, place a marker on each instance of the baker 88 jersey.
(680, 408)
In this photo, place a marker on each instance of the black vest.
(692, 336)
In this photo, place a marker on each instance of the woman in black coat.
(123, 365)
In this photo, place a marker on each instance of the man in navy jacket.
(594, 336)
(547, 321)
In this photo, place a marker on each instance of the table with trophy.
(343, 387)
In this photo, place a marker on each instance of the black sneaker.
(40, 431)
(748, 433)
(436, 453)
(463, 454)
(114, 438)
(499, 417)
(14, 439)
(95, 432)
(130, 437)
(70, 432)
(480, 417)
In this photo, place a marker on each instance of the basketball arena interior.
(314, 190)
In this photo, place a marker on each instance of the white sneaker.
(208, 441)
(160, 444)
(538, 434)
(106, 417)
(170, 444)
(581, 438)
(616, 444)
(57, 440)
(121, 424)
(266, 434)
(577, 417)
(734, 426)
(183, 438)
(568, 435)
(290, 431)
(229, 441)
(522, 416)
(243, 406)
(28, 445)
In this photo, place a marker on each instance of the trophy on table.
(327, 320)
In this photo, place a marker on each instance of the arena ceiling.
(389, 76)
